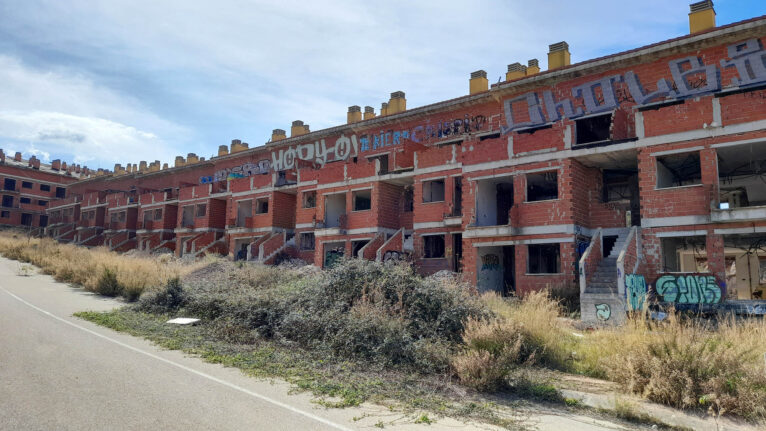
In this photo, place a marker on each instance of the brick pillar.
(715, 256)
(709, 166)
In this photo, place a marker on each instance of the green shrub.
(107, 284)
(169, 299)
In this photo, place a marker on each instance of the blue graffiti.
(690, 78)
(635, 291)
(688, 289)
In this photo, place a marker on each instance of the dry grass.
(685, 363)
(96, 269)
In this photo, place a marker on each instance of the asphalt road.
(58, 372)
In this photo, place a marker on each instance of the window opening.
(678, 170)
(262, 206)
(201, 210)
(362, 200)
(310, 199)
(542, 186)
(307, 241)
(433, 191)
(433, 246)
(593, 129)
(543, 259)
(26, 185)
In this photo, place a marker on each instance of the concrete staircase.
(601, 302)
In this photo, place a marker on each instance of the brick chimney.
(701, 16)
(278, 135)
(2, 156)
(383, 109)
(179, 161)
(558, 55)
(354, 114)
(369, 112)
(237, 146)
(56, 165)
(223, 150)
(478, 82)
(515, 71)
(63, 166)
(191, 158)
(397, 103)
(297, 128)
(34, 163)
(533, 67)
(17, 156)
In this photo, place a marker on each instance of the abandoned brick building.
(642, 170)
(28, 187)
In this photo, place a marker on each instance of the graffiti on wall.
(690, 78)
(490, 262)
(603, 312)
(318, 152)
(635, 290)
(321, 152)
(242, 171)
(688, 289)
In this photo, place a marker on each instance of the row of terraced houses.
(636, 173)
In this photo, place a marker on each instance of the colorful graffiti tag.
(688, 289)
(318, 152)
(242, 171)
(635, 291)
(603, 312)
(690, 76)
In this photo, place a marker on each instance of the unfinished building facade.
(641, 172)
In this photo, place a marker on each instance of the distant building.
(29, 186)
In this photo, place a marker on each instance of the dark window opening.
(362, 200)
(543, 259)
(26, 219)
(26, 185)
(494, 199)
(307, 241)
(158, 214)
(45, 188)
(310, 199)
(201, 210)
(25, 200)
(356, 246)
(383, 169)
(262, 206)
(60, 192)
(8, 201)
(542, 186)
(678, 170)
(433, 246)
(43, 220)
(617, 185)
(9, 184)
(187, 217)
(244, 211)
(457, 196)
(42, 203)
(408, 199)
(5, 214)
(593, 129)
(433, 191)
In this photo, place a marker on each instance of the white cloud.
(69, 117)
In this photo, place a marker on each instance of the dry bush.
(686, 363)
(95, 269)
(520, 333)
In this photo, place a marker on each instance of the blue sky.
(117, 81)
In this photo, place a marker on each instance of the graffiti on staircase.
(635, 290)
(688, 289)
(603, 312)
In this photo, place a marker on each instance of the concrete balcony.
(738, 214)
